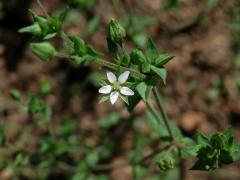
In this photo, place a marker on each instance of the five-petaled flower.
(117, 87)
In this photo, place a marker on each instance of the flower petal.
(105, 89)
(114, 96)
(123, 77)
(111, 77)
(126, 91)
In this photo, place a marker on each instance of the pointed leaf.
(161, 72)
(151, 51)
(143, 91)
(163, 59)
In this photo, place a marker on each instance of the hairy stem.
(163, 114)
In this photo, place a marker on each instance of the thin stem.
(113, 66)
(99, 61)
(163, 114)
(105, 167)
(150, 108)
(43, 9)
(107, 64)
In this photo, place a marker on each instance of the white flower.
(116, 88)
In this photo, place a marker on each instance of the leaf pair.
(80, 52)
(152, 62)
(45, 28)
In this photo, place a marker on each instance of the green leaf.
(92, 52)
(161, 72)
(202, 139)
(143, 91)
(45, 87)
(215, 152)
(92, 159)
(35, 105)
(229, 136)
(68, 128)
(138, 172)
(2, 134)
(162, 59)
(140, 40)
(49, 36)
(78, 60)
(63, 14)
(137, 57)
(123, 59)
(146, 67)
(110, 120)
(16, 95)
(152, 51)
(133, 101)
(93, 26)
(125, 99)
(104, 99)
(190, 149)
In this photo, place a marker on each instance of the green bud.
(116, 32)
(35, 29)
(137, 57)
(43, 50)
(166, 162)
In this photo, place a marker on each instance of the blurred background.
(72, 129)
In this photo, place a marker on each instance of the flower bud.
(35, 29)
(116, 32)
(166, 163)
(43, 50)
(137, 57)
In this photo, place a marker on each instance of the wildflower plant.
(132, 77)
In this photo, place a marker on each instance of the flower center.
(116, 86)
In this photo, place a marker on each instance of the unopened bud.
(35, 29)
(116, 32)
(166, 163)
(43, 50)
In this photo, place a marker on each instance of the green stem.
(104, 167)
(163, 114)
(101, 62)
(43, 9)
(151, 109)
(113, 66)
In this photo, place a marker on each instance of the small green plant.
(132, 77)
